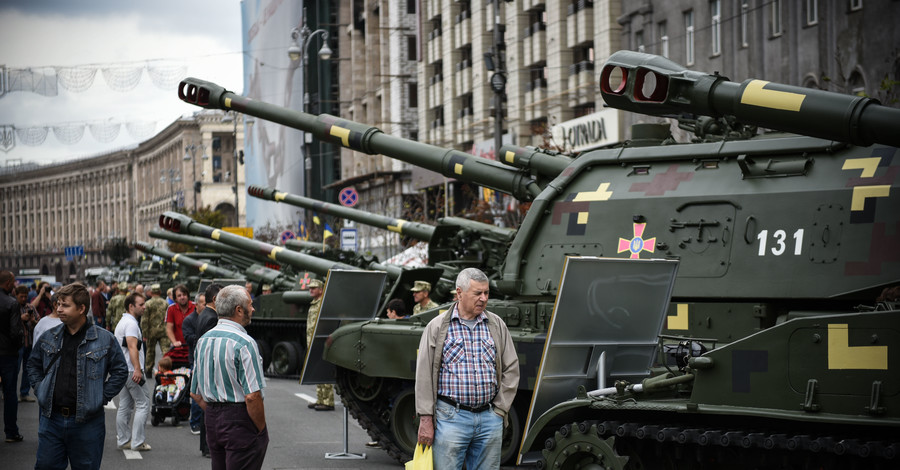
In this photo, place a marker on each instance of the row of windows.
(774, 26)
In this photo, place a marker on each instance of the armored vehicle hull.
(767, 228)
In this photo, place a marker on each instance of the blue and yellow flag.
(302, 232)
(316, 219)
(328, 232)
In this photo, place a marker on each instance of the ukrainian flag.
(316, 219)
(302, 232)
(328, 232)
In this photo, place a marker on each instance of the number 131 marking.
(778, 240)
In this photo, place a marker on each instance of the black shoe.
(16, 438)
(205, 454)
(324, 407)
(311, 405)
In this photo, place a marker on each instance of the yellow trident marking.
(343, 133)
(756, 95)
(680, 320)
(867, 165)
(601, 194)
(843, 356)
(397, 227)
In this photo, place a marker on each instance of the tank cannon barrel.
(367, 139)
(650, 84)
(180, 223)
(205, 243)
(192, 263)
(416, 230)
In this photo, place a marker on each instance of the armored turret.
(779, 238)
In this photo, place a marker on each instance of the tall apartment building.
(121, 194)
(847, 46)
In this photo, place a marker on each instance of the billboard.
(272, 152)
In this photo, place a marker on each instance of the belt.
(65, 411)
(473, 409)
(222, 404)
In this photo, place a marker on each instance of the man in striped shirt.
(228, 382)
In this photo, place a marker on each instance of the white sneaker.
(125, 446)
(142, 448)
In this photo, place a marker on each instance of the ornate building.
(85, 203)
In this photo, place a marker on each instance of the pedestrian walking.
(153, 325)
(467, 373)
(228, 384)
(134, 404)
(12, 337)
(76, 368)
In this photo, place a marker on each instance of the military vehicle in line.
(780, 239)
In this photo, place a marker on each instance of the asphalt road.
(299, 438)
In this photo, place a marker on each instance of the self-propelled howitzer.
(768, 229)
(454, 244)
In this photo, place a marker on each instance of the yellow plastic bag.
(422, 459)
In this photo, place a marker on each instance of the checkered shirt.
(468, 370)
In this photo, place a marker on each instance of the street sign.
(73, 252)
(287, 235)
(348, 239)
(348, 197)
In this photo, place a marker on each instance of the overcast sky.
(205, 35)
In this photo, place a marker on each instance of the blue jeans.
(23, 358)
(462, 436)
(196, 414)
(62, 441)
(9, 373)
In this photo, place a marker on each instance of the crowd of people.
(80, 347)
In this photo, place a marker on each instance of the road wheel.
(404, 424)
(285, 358)
(512, 436)
(265, 350)
(363, 387)
(575, 446)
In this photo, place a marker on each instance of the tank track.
(649, 444)
(374, 413)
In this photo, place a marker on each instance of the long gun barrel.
(205, 243)
(367, 139)
(416, 230)
(180, 223)
(192, 263)
(649, 84)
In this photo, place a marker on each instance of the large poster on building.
(272, 152)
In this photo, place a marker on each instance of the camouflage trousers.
(325, 394)
(150, 358)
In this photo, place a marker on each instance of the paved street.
(299, 438)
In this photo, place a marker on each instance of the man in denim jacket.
(75, 369)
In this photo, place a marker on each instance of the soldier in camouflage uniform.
(324, 392)
(116, 307)
(153, 325)
(421, 290)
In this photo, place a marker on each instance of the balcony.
(580, 24)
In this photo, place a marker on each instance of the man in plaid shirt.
(467, 373)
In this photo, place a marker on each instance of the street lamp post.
(174, 177)
(297, 51)
(234, 151)
(190, 153)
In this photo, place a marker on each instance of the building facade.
(119, 195)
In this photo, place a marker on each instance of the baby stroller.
(171, 396)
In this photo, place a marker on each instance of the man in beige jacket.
(467, 373)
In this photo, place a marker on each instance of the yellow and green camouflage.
(153, 325)
(324, 392)
(115, 310)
